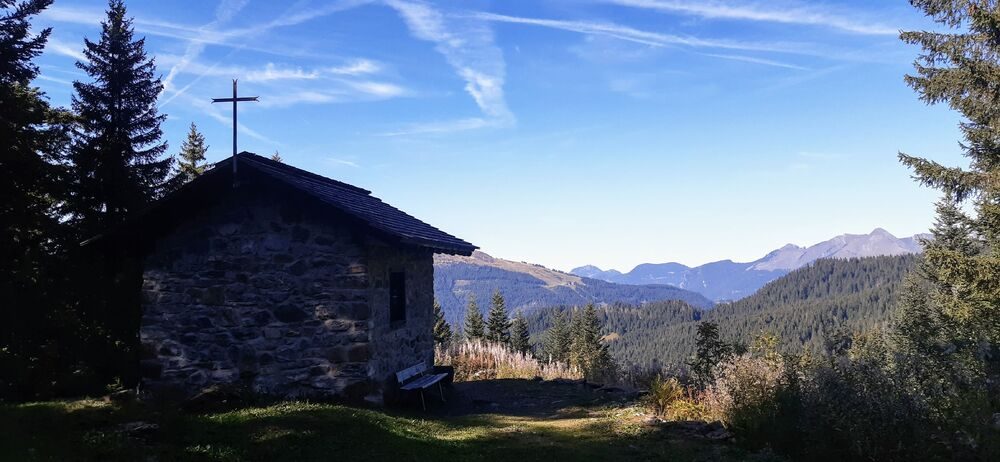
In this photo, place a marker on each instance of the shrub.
(746, 391)
(479, 360)
(662, 394)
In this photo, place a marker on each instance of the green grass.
(90, 430)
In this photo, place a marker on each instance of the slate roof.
(356, 202)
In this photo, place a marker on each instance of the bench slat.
(424, 382)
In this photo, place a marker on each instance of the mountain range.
(728, 280)
(527, 286)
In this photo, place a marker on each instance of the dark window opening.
(397, 297)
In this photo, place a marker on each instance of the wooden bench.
(420, 377)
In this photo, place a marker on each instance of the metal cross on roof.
(235, 99)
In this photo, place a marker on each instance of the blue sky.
(612, 132)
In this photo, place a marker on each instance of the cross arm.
(230, 100)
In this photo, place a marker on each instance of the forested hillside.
(528, 287)
(802, 308)
(727, 280)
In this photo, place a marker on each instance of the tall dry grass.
(478, 360)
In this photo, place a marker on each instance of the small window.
(397, 297)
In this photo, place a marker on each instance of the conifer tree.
(960, 302)
(191, 162)
(498, 323)
(32, 240)
(557, 341)
(710, 351)
(117, 157)
(588, 351)
(520, 341)
(475, 327)
(442, 331)
(277, 157)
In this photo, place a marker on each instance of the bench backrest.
(411, 372)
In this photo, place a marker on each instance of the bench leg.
(422, 403)
(441, 389)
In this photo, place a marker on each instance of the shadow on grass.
(568, 429)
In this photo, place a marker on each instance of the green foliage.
(192, 156)
(40, 334)
(802, 309)
(587, 351)
(475, 327)
(710, 351)
(948, 338)
(498, 323)
(662, 394)
(520, 341)
(556, 341)
(117, 156)
(442, 331)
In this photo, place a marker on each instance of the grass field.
(297, 431)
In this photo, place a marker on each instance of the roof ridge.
(254, 157)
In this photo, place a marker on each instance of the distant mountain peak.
(727, 280)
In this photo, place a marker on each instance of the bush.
(745, 393)
(662, 394)
(479, 360)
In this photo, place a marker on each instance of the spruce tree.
(498, 323)
(191, 162)
(710, 351)
(588, 351)
(32, 240)
(442, 331)
(117, 157)
(956, 302)
(520, 341)
(475, 327)
(557, 340)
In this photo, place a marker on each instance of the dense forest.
(804, 309)
(455, 282)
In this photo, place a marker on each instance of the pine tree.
(277, 157)
(556, 344)
(117, 157)
(588, 351)
(192, 156)
(32, 240)
(520, 341)
(442, 331)
(710, 351)
(475, 327)
(498, 323)
(954, 307)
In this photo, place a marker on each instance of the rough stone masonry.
(282, 297)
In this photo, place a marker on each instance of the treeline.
(455, 282)
(574, 338)
(69, 323)
(803, 309)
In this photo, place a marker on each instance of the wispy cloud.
(62, 48)
(223, 13)
(343, 92)
(467, 44)
(341, 162)
(755, 60)
(737, 10)
(622, 32)
(449, 126)
(55, 80)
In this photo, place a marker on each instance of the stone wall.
(262, 292)
(398, 346)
